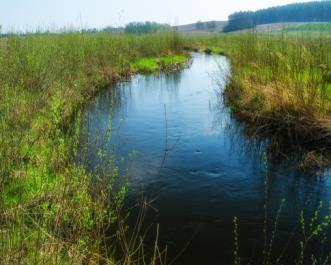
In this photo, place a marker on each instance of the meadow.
(50, 211)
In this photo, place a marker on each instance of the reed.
(280, 86)
(50, 210)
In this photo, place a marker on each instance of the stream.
(179, 145)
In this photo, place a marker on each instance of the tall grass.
(287, 70)
(50, 211)
(281, 85)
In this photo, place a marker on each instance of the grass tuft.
(156, 64)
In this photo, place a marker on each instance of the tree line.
(300, 12)
(205, 25)
(144, 27)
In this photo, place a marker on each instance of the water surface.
(178, 144)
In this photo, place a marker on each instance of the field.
(310, 27)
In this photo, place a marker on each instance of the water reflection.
(177, 142)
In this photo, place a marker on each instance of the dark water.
(178, 144)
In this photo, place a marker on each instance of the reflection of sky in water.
(210, 173)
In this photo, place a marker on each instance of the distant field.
(311, 27)
(291, 27)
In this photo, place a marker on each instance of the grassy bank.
(281, 87)
(50, 212)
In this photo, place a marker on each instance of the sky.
(29, 15)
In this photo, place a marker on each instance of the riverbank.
(50, 211)
(280, 87)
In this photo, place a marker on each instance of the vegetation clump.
(214, 50)
(164, 63)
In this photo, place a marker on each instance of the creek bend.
(177, 143)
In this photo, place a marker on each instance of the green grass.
(170, 60)
(51, 212)
(155, 64)
(145, 65)
(215, 50)
(284, 71)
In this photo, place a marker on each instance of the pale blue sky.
(22, 15)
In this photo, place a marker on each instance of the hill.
(199, 27)
(317, 11)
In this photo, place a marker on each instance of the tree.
(144, 27)
(200, 25)
(211, 24)
(240, 20)
(109, 29)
